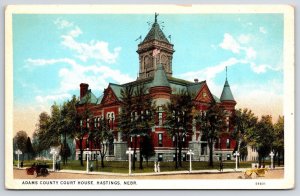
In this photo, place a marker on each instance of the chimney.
(196, 80)
(83, 89)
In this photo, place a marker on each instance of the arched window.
(147, 62)
(95, 122)
(87, 123)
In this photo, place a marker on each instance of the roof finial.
(156, 14)
(226, 72)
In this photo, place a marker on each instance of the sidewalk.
(212, 171)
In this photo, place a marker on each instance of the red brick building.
(155, 73)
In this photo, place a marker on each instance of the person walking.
(221, 165)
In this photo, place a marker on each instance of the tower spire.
(156, 14)
(226, 93)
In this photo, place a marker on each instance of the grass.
(122, 166)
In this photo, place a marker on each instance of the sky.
(53, 54)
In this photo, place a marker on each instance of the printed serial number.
(260, 183)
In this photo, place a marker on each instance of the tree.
(29, 148)
(147, 148)
(20, 141)
(278, 143)
(65, 152)
(41, 136)
(143, 119)
(262, 137)
(83, 127)
(47, 133)
(37, 148)
(211, 122)
(53, 133)
(68, 119)
(136, 117)
(178, 121)
(244, 121)
(101, 135)
(124, 119)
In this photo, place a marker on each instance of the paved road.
(21, 174)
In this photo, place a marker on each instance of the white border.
(289, 177)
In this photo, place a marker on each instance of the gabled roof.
(217, 100)
(160, 79)
(116, 89)
(155, 33)
(226, 93)
(100, 99)
(194, 88)
(88, 98)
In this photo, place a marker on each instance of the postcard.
(149, 97)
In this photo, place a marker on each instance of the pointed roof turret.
(160, 78)
(226, 93)
(155, 32)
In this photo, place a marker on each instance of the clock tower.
(155, 49)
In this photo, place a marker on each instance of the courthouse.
(155, 53)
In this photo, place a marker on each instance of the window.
(227, 124)
(87, 123)
(184, 156)
(131, 116)
(174, 157)
(160, 157)
(228, 157)
(183, 141)
(112, 120)
(142, 115)
(95, 122)
(160, 116)
(160, 122)
(204, 94)
(174, 140)
(228, 143)
(111, 147)
(98, 122)
(160, 139)
(87, 143)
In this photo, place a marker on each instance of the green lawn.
(122, 166)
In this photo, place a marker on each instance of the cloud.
(94, 49)
(210, 72)
(97, 50)
(244, 39)
(262, 30)
(229, 43)
(96, 76)
(233, 45)
(247, 54)
(61, 23)
(72, 73)
(42, 62)
(48, 98)
(250, 53)
(262, 68)
(75, 32)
